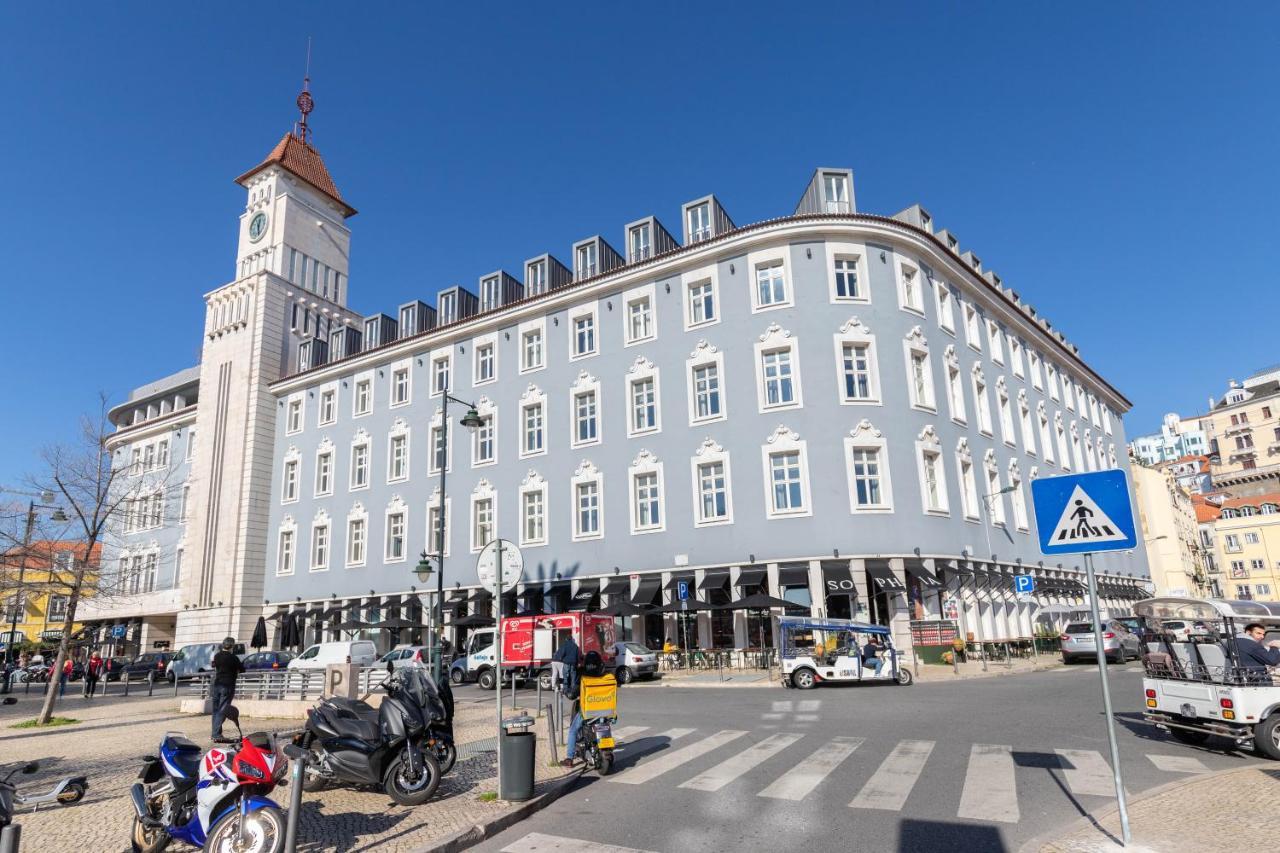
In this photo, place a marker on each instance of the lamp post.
(471, 420)
(58, 516)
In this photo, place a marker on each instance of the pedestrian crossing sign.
(1082, 513)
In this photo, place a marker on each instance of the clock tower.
(290, 284)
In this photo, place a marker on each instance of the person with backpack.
(592, 667)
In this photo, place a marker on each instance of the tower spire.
(305, 102)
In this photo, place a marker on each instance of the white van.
(361, 652)
(194, 660)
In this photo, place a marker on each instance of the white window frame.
(1018, 497)
(689, 280)
(972, 326)
(441, 355)
(1077, 453)
(1060, 433)
(705, 355)
(357, 514)
(533, 396)
(287, 526)
(994, 338)
(945, 306)
(970, 500)
(981, 403)
(437, 427)
(488, 412)
(483, 491)
(955, 386)
(769, 258)
(927, 444)
(399, 430)
(1026, 423)
(331, 392)
(289, 486)
(643, 370)
(477, 346)
(526, 329)
(776, 339)
(906, 271)
(295, 416)
(1033, 367)
(586, 472)
(365, 380)
(711, 453)
(644, 465)
(1046, 432)
(395, 507)
(585, 384)
(646, 294)
(433, 506)
(400, 368)
(865, 437)
(324, 449)
(321, 521)
(853, 333)
(1015, 356)
(360, 439)
(533, 484)
(1051, 379)
(576, 314)
(915, 344)
(993, 501)
(846, 251)
(784, 440)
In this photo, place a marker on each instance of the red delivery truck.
(528, 642)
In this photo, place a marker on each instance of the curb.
(471, 836)
(1091, 820)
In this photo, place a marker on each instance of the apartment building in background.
(1170, 533)
(1176, 439)
(1247, 546)
(1243, 432)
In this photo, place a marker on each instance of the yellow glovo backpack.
(599, 695)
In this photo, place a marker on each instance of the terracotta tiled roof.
(299, 158)
(1207, 512)
(41, 553)
(1255, 500)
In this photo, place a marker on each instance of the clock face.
(257, 226)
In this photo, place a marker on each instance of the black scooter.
(356, 744)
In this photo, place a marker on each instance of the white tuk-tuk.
(1201, 688)
(818, 650)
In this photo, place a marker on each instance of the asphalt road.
(978, 765)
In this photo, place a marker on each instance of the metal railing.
(295, 684)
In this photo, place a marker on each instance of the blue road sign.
(118, 631)
(1024, 583)
(1082, 513)
(682, 590)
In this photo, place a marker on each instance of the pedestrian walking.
(227, 668)
(568, 656)
(92, 672)
(67, 668)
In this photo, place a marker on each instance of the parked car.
(634, 661)
(267, 660)
(1118, 642)
(406, 656)
(1179, 630)
(148, 663)
(193, 660)
(113, 668)
(317, 657)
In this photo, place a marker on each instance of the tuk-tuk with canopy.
(1200, 688)
(822, 650)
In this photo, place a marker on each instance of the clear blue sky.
(1115, 163)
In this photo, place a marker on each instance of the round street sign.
(512, 565)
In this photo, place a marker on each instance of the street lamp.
(472, 421)
(57, 516)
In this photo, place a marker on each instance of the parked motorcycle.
(393, 746)
(218, 801)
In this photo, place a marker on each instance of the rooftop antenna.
(305, 102)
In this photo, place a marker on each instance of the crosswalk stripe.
(627, 732)
(989, 790)
(675, 734)
(892, 783)
(1178, 763)
(537, 842)
(800, 780)
(809, 705)
(666, 762)
(726, 771)
(1089, 772)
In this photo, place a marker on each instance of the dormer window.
(836, 186)
(640, 243)
(699, 222)
(448, 308)
(926, 221)
(490, 294)
(535, 277)
(585, 261)
(953, 244)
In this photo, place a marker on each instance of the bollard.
(125, 678)
(538, 695)
(151, 682)
(9, 838)
(296, 771)
(551, 734)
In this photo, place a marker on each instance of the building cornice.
(153, 427)
(738, 241)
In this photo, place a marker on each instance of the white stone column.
(739, 616)
(776, 591)
(817, 590)
(900, 611)
(861, 607)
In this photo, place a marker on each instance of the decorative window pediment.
(644, 461)
(783, 437)
(963, 451)
(916, 339)
(864, 431)
(532, 480)
(775, 335)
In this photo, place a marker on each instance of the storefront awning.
(837, 579)
(675, 580)
(922, 574)
(885, 579)
(617, 586)
(715, 580)
(587, 590)
(752, 577)
(456, 595)
(646, 592)
(793, 576)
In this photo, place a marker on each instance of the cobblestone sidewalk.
(108, 741)
(1213, 813)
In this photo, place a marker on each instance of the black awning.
(886, 580)
(837, 579)
(646, 591)
(456, 595)
(318, 610)
(752, 577)
(922, 574)
(952, 570)
(617, 586)
(480, 594)
(587, 590)
(390, 600)
(675, 579)
(715, 580)
(372, 601)
(793, 576)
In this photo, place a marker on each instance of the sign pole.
(1106, 697)
(497, 656)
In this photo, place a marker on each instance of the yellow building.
(1247, 544)
(35, 590)
(1170, 532)
(1243, 431)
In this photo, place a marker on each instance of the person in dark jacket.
(592, 667)
(227, 668)
(568, 655)
(1255, 658)
(870, 654)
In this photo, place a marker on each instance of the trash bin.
(517, 746)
